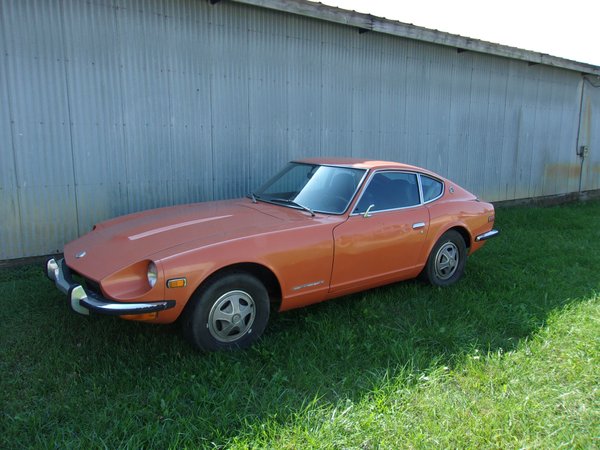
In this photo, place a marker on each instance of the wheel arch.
(462, 230)
(459, 228)
(259, 271)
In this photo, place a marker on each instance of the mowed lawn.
(507, 358)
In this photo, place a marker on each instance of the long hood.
(120, 242)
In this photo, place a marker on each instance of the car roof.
(359, 163)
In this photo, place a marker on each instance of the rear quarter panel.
(469, 214)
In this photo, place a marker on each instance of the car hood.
(119, 242)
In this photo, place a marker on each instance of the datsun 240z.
(319, 229)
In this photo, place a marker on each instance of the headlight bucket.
(133, 281)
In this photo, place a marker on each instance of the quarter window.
(431, 188)
(389, 190)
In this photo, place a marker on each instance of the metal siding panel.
(304, 89)
(10, 225)
(537, 150)
(491, 171)
(460, 86)
(190, 71)
(366, 95)
(524, 98)
(417, 104)
(510, 131)
(550, 144)
(95, 110)
(440, 104)
(38, 103)
(475, 153)
(336, 102)
(48, 218)
(38, 99)
(7, 155)
(230, 102)
(10, 216)
(566, 113)
(146, 104)
(590, 136)
(393, 100)
(267, 97)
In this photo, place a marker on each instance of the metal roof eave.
(409, 31)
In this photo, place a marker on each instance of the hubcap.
(232, 316)
(446, 261)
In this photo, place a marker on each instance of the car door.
(383, 238)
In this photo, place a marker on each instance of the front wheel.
(446, 262)
(228, 313)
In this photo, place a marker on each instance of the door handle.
(418, 225)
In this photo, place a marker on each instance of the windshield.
(324, 189)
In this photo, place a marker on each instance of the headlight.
(152, 274)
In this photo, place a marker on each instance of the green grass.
(507, 358)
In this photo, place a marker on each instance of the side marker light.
(176, 283)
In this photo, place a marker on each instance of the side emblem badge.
(80, 255)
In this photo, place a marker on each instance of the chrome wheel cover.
(446, 261)
(231, 316)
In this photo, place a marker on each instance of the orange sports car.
(319, 229)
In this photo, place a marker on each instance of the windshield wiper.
(252, 196)
(292, 203)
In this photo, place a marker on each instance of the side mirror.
(367, 213)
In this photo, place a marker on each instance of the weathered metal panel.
(96, 114)
(336, 103)
(589, 136)
(10, 217)
(34, 70)
(146, 100)
(435, 153)
(267, 96)
(304, 89)
(366, 94)
(190, 72)
(393, 112)
(113, 106)
(230, 101)
(491, 155)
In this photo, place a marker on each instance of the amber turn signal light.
(176, 283)
(140, 317)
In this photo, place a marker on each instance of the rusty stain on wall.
(562, 171)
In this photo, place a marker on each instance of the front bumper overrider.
(84, 300)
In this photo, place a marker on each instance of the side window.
(389, 190)
(431, 188)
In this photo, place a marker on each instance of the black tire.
(227, 313)
(446, 262)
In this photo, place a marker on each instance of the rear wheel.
(229, 312)
(446, 262)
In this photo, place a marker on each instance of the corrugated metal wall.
(109, 107)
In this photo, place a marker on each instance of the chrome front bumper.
(487, 235)
(84, 300)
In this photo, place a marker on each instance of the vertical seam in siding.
(12, 130)
(69, 116)
(121, 123)
(211, 80)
